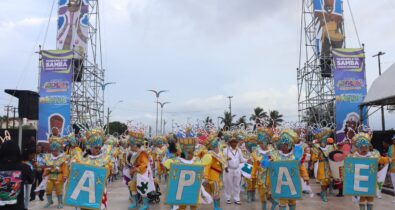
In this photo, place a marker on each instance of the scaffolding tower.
(87, 100)
(314, 76)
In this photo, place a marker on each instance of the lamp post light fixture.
(157, 94)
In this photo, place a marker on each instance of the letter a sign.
(184, 184)
(360, 176)
(85, 186)
(285, 180)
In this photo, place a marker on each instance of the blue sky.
(200, 50)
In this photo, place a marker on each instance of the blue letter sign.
(360, 176)
(85, 186)
(285, 180)
(184, 184)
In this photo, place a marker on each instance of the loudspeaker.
(325, 65)
(78, 68)
(28, 103)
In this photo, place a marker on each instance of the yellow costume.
(362, 143)
(56, 170)
(287, 138)
(320, 153)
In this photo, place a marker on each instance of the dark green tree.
(117, 127)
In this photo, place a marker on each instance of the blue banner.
(350, 87)
(360, 176)
(184, 184)
(85, 186)
(55, 93)
(285, 179)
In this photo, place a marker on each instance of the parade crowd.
(235, 161)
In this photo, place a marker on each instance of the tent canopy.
(382, 91)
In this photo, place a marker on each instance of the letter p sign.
(184, 184)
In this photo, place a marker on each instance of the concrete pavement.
(118, 199)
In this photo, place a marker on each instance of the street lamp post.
(161, 113)
(108, 115)
(157, 94)
(382, 107)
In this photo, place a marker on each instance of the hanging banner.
(350, 87)
(184, 184)
(73, 26)
(329, 27)
(360, 176)
(285, 180)
(85, 186)
(55, 93)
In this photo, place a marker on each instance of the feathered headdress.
(264, 135)
(94, 137)
(186, 139)
(287, 136)
(55, 143)
(362, 139)
(159, 140)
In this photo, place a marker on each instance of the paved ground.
(118, 199)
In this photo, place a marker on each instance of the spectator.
(13, 175)
(38, 173)
(28, 160)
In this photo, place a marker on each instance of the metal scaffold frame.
(315, 91)
(88, 96)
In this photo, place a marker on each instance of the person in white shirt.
(232, 175)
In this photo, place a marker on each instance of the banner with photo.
(55, 93)
(350, 87)
(73, 26)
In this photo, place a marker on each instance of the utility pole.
(164, 127)
(230, 104)
(7, 109)
(13, 119)
(108, 120)
(382, 106)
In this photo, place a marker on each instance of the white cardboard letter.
(90, 189)
(358, 178)
(185, 183)
(288, 181)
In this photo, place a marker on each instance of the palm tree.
(208, 120)
(242, 121)
(227, 119)
(257, 116)
(276, 118)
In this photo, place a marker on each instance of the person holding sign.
(139, 166)
(186, 146)
(214, 165)
(361, 141)
(261, 159)
(56, 170)
(320, 153)
(98, 155)
(285, 142)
